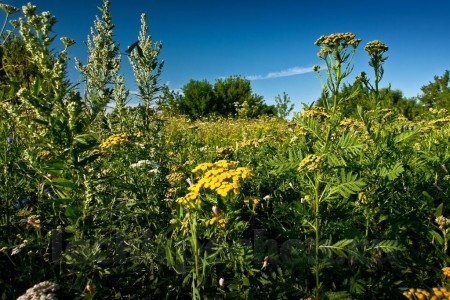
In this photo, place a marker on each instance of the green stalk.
(195, 250)
(4, 24)
(317, 231)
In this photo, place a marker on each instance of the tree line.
(233, 96)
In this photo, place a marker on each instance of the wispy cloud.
(283, 73)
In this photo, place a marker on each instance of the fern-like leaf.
(349, 184)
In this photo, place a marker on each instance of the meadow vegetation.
(348, 200)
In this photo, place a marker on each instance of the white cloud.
(284, 73)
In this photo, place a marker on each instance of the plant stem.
(317, 229)
(195, 249)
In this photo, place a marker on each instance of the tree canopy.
(231, 97)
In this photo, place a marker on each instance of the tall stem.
(317, 229)
(195, 252)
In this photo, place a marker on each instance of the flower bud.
(215, 210)
(222, 282)
(266, 262)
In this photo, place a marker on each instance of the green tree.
(282, 107)
(198, 99)
(231, 96)
(436, 93)
(232, 93)
(235, 98)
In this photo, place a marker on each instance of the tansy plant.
(324, 163)
(436, 293)
(337, 51)
(211, 195)
(376, 50)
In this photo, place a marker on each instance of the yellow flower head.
(315, 112)
(220, 177)
(310, 163)
(338, 39)
(376, 47)
(113, 140)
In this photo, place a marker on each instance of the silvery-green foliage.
(143, 57)
(103, 63)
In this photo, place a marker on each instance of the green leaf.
(392, 173)
(339, 295)
(436, 236)
(387, 246)
(85, 161)
(439, 210)
(245, 281)
(70, 228)
(72, 213)
(405, 136)
(339, 248)
(349, 185)
(63, 183)
(54, 165)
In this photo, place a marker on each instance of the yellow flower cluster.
(335, 39)
(175, 178)
(252, 200)
(221, 177)
(44, 154)
(219, 221)
(251, 143)
(115, 139)
(375, 47)
(440, 120)
(442, 221)
(224, 151)
(347, 122)
(323, 52)
(310, 163)
(446, 271)
(437, 293)
(314, 112)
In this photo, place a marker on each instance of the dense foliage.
(229, 97)
(342, 202)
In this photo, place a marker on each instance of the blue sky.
(269, 42)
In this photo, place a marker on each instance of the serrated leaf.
(387, 246)
(405, 136)
(392, 173)
(349, 185)
(339, 248)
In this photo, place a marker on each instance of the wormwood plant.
(76, 197)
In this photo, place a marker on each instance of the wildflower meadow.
(103, 200)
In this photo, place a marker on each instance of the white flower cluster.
(19, 248)
(42, 291)
(146, 163)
